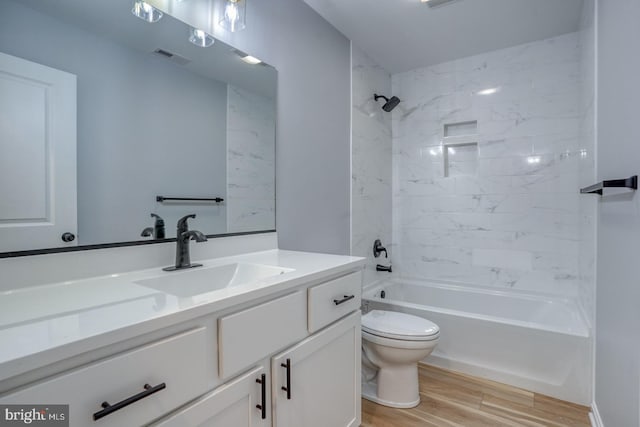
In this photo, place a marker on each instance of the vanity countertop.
(45, 324)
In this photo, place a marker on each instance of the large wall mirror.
(106, 119)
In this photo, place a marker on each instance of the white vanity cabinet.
(316, 383)
(243, 402)
(286, 359)
(313, 383)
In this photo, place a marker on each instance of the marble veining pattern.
(587, 170)
(515, 219)
(250, 161)
(371, 161)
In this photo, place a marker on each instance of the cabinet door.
(234, 404)
(324, 379)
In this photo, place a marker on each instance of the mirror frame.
(31, 252)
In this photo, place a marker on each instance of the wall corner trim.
(594, 416)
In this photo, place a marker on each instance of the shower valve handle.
(378, 248)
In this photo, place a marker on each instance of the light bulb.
(200, 38)
(146, 12)
(231, 13)
(233, 18)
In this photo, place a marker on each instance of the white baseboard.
(594, 417)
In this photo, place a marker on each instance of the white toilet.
(392, 345)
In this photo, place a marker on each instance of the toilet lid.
(401, 326)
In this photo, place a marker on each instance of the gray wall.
(618, 289)
(313, 127)
(129, 140)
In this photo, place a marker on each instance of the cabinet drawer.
(250, 335)
(182, 362)
(334, 299)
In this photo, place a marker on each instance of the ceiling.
(402, 35)
(114, 21)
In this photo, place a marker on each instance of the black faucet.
(378, 248)
(157, 231)
(147, 232)
(183, 235)
(158, 227)
(383, 268)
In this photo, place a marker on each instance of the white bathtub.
(535, 342)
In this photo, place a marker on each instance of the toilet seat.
(401, 344)
(399, 326)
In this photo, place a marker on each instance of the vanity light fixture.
(233, 17)
(145, 11)
(200, 38)
(252, 60)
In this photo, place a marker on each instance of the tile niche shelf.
(460, 148)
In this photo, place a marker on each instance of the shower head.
(390, 104)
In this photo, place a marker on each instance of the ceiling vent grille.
(438, 3)
(171, 56)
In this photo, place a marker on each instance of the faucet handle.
(182, 223)
(378, 248)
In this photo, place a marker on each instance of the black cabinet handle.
(263, 403)
(343, 300)
(288, 387)
(109, 409)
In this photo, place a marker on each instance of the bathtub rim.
(585, 332)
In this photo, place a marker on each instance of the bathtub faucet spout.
(383, 268)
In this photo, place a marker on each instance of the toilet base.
(370, 392)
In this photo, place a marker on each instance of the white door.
(324, 379)
(37, 155)
(233, 404)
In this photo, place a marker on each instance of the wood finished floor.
(450, 399)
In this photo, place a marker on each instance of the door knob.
(68, 237)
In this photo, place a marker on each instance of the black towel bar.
(162, 199)
(631, 182)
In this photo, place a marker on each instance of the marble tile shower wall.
(587, 173)
(512, 220)
(251, 160)
(371, 161)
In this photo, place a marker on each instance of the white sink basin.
(197, 281)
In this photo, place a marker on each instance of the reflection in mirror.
(104, 118)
